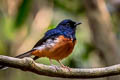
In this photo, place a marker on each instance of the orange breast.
(61, 49)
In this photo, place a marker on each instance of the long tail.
(26, 54)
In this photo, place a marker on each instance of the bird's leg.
(63, 65)
(53, 64)
(50, 61)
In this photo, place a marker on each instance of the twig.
(27, 64)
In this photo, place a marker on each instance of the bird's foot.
(55, 67)
(66, 67)
(63, 66)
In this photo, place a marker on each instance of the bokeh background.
(24, 22)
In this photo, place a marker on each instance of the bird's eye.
(67, 24)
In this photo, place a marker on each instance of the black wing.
(49, 34)
(40, 42)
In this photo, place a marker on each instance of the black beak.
(78, 23)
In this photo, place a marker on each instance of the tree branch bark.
(27, 64)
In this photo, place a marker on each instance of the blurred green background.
(24, 22)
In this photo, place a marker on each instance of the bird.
(56, 44)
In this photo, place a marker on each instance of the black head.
(68, 23)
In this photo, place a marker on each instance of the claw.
(63, 66)
(54, 66)
(66, 67)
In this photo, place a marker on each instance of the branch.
(27, 64)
